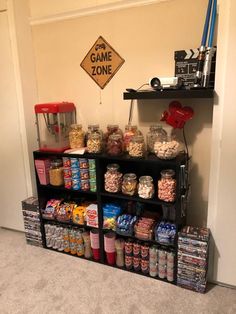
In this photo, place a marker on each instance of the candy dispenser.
(53, 121)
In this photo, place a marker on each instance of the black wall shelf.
(170, 94)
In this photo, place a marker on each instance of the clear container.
(130, 132)
(56, 173)
(113, 178)
(156, 133)
(114, 145)
(146, 187)
(53, 121)
(129, 184)
(94, 143)
(167, 186)
(94, 128)
(168, 148)
(76, 136)
(137, 146)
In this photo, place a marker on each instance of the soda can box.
(195, 243)
(192, 260)
(191, 250)
(186, 66)
(195, 233)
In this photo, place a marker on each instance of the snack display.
(167, 186)
(56, 173)
(146, 187)
(167, 149)
(130, 132)
(125, 224)
(129, 184)
(165, 233)
(136, 146)
(144, 228)
(76, 136)
(193, 248)
(31, 216)
(156, 134)
(110, 214)
(113, 178)
(114, 145)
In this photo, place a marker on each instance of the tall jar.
(113, 178)
(94, 143)
(114, 145)
(129, 184)
(76, 136)
(137, 146)
(167, 186)
(146, 187)
(156, 133)
(130, 132)
(56, 172)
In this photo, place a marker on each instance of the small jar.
(146, 187)
(168, 148)
(94, 143)
(137, 146)
(129, 184)
(76, 136)
(56, 173)
(156, 133)
(130, 132)
(114, 145)
(113, 178)
(167, 186)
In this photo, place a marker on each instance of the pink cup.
(109, 242)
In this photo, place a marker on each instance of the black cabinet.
(149, 165)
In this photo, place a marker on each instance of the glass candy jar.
(76, 136)
(129, 184)
(56, 172)
(130, 132)
(137, 146)
(167, 186)
(94, 143)
(146, 187)
(168, 148)
(156, 133)
(114, 145)
(113, 178)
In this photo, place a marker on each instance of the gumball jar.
(167, 186)
(112, 178)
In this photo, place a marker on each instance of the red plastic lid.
(54, 107)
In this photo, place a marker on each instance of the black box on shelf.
(31, 216)
(186, 66)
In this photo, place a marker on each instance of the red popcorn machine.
(53, 122)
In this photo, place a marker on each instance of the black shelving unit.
(170, 94)
(149, 165)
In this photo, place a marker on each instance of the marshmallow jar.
(167, 186)
(113, 179)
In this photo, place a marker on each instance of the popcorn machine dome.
(53, 122)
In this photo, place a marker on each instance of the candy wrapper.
(50, 210)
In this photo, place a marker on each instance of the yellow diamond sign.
(102, 62)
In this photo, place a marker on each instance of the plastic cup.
(111, 258)
(96, 254)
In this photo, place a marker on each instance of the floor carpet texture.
(35, 280)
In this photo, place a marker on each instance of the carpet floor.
(35, 280)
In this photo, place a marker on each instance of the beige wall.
(146, 37)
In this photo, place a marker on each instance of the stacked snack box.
(193, 245)
(31, 215)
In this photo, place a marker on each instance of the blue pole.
(213, 20)
(206, 26)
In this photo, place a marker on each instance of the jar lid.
(112, 126)
(76, 126)
(56, 162)
(93, 126)
(168, 173)
(113, 167)
(94, 136)
(115, 136)
(131, 176)
(145, 179)
(155, 127)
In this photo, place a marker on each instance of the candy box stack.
(193, 245)
(31, 215)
